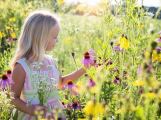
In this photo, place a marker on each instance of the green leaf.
(15, 117)
(139, 115)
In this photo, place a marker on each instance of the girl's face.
(53, 39)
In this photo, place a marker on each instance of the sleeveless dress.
(29, 91)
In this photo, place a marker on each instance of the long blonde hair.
(34, 36)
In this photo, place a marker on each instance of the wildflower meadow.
(121, 43)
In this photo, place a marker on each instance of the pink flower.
(117, 48)
(9, 39)
(159, 32)
(109, 63)
(9, 74)
(88, 59)
(139, 70)
(75, 105)
(64, 105)
(70, 85)
(91, 83)
(141, 91)
(158, 48)
(159, 40)
(5, 81)
(116, 80)
(99, 64)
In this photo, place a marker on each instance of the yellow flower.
(16, 29)
(79, 8)
(9, 28)
(12, 19)
(61, 14)
(124, 43)
(155, 56)
(48, 1)
(151, 95)
(60, 1)
(0, 35)
(25, 15)
(141, 26)
(159, 58)
(94, 89)
(80, 88)
(79, 83)
(118, 111)
(3, 34)
(68, 41)
(82, 119)
(160, 96)
(146, 54)
(13, 35)
(93, 109)
(53, 8)
(139, 83)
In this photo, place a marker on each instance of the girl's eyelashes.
(55, 38)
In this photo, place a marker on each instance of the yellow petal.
(68, 41)
(13, 35)
(139, 83)
(60, 1)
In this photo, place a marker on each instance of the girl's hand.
(38, 108)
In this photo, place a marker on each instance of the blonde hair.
(34, 36)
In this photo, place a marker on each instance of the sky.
(155, 3)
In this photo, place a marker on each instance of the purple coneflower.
(91, 83)
(141, 91)
(116, 80)
(109, 63)
(9, 39)
(139, 70)
(9, 73)
(159, 40)
(64, 105)
(4, 80)
(70, 86)
(88, 59)
(75, 105)
(99, 64)
(117, 48)
(124, 75)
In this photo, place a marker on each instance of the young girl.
(39, 34)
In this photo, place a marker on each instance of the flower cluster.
(44, 84)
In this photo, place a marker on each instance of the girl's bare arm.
(18, 76)
(73, 76)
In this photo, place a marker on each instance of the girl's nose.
(57, 40)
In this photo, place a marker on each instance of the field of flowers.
(124, 83)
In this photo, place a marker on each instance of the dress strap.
(51, 61)
(24, 64)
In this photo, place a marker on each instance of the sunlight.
(93, 2)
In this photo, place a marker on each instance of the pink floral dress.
(29, 92)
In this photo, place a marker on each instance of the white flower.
(38, 67)
(40, 63)
(34, 66)
(53, 79)
(150, 14)
(55, 85)
(34, 74)
(35, 63)
(49, 66)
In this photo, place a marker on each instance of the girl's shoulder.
(22, 65)
(18, 72)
